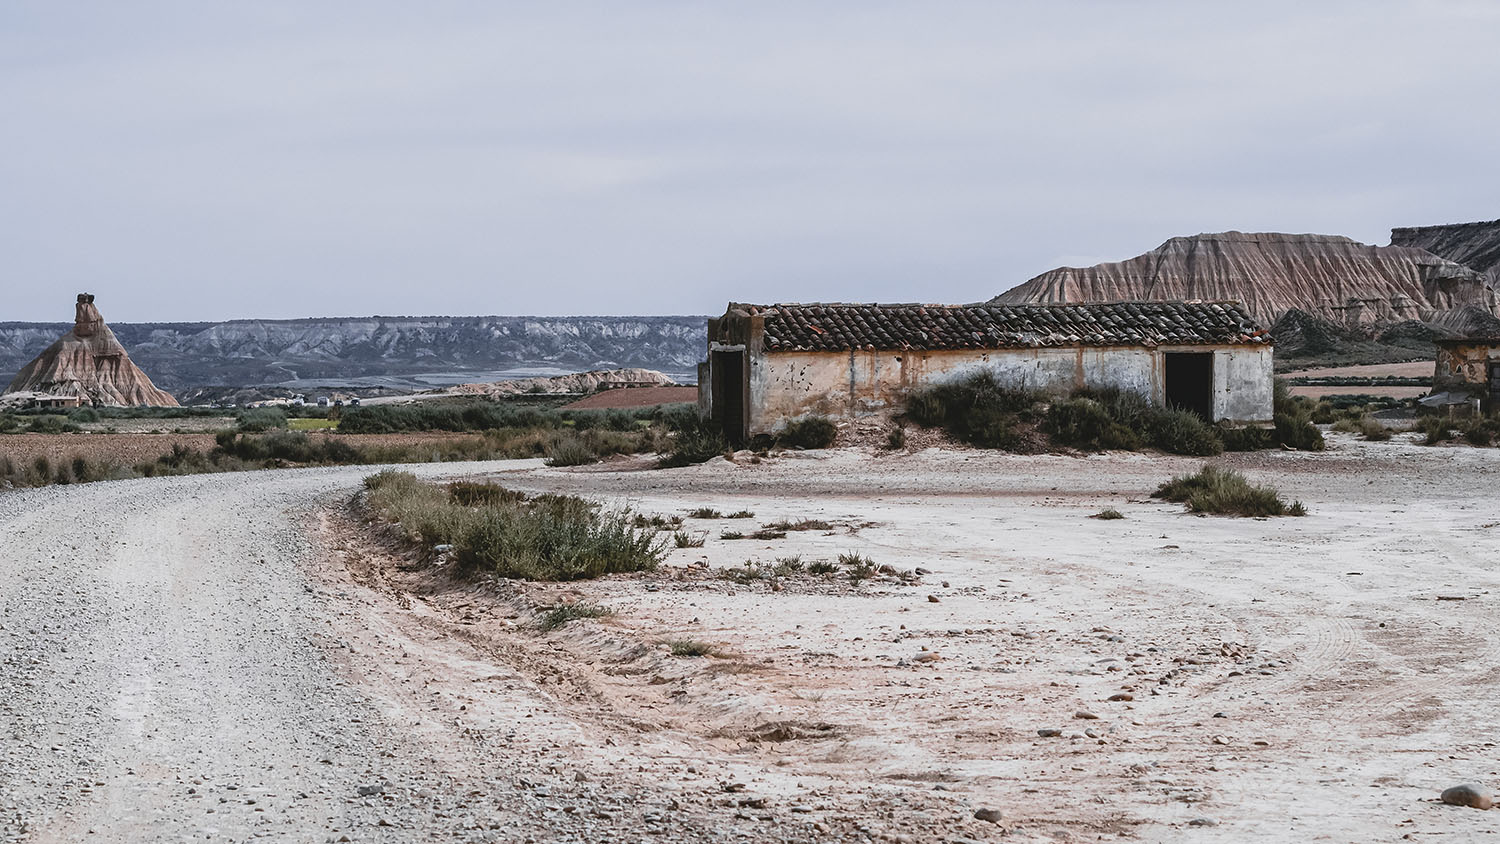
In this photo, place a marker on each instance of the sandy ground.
(1314, 679)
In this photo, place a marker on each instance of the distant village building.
(771, 363)
(1467, 374)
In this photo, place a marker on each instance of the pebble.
(987, 814)
(1085, 715)
(932, 599)
(1121, 696)
(1049, 733)
(1469, 794)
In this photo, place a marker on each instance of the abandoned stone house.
(768, 364)
(1467, 373)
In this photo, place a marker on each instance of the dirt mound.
(88, 362)
(1333, 278)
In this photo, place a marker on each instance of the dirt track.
(162, 641)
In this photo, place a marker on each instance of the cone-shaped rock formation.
(1332, 278)
(88, 362)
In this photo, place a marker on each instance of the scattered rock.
(926, 656)
(1469, 794)
(1121, 696)
(987, 814)
(1203, 822)
(932, 599)
(1049, 733)
(371, 790)
(1085, 715)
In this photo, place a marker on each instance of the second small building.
(768, 364)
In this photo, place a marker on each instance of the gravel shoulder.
(234, 656)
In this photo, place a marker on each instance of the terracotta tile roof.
(833, 327)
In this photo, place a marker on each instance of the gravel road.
(237, 656)
(173, 672)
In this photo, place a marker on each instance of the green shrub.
(895, 440)
(1436, 429)
(1374, 430)
(705, 513)
(570, 452)
(1248, 438)
(432, 416)
(1298, 433)
(740, 514)
(857, 567)
(977, 410)
(546, 537)
(476, 494)
(84, 414)
(50, 424)
(1086, 424)
(1177, 431)
(808, 432)
(684, 539)
(800, 524)
(561, 614)
(822, 567)
(1226, 492)
(260, 419)
(690, 647)
(692, 440)
(1108, 515)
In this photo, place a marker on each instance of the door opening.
(1494, 384)
(729, 395)
(1190, 382)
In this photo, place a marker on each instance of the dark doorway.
(1190, 382)
(729, 394)
(1494, 385)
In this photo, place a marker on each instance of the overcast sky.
(188, 160)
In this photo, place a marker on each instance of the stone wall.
(785, 385)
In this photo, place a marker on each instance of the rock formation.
(580, 382)
(88, 362)
(1475, 245)
(1332, 278)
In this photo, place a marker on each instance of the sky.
(205, 161)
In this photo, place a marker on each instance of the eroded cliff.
(1329, 277)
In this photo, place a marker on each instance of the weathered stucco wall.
(1464, 367)
(784, 385)
(1244, 384)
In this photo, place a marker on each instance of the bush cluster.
(692, 439)
(1095, 420)
(808, 432)
(44, 471)
(548, 537)
(1478, 430)
(258, 420)
(977, 410)
(1226, 492)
